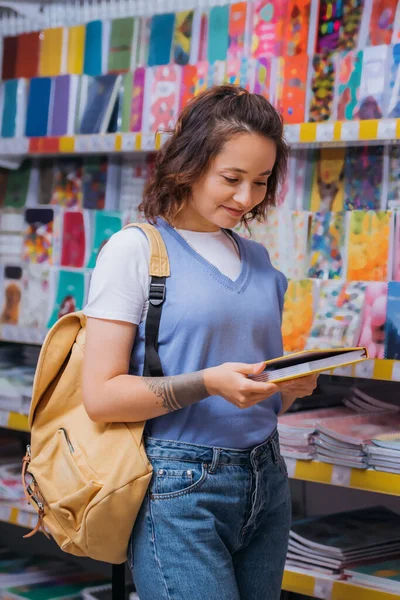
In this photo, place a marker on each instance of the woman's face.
(235, 182)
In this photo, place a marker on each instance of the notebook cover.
(188, 85)
(73, 240)
(267, 28)
(327, 191)
(392, 326)
(51, 51)
(38, 107)
(237, 30)
(363, 177)
(38, 240)
(60, 112)
(9, 120)
(99, 95)
(296, 23)
(348, 84)
(202, 77)
(183, 32)
(322, 103)
(120, 54)
(350, 24)
(94, 182)
(329, 24)
(10, 49)
(292, 104)
(327, 239)
(164, 98)
(136, 108)
(93, 48)
(373, 86)
(218, 33)
(106, 224)
(372, 334)
(368, 245)
(297, 315)
(46, 181)
(203, 42)
(17, 186)
(382, 21)
(161, 34)
(70, 294)
(28, 49)
(67, 184)
(76, 49)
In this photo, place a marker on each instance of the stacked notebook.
(374, 396)
(328, 544)
(380, 575)
(384, 453)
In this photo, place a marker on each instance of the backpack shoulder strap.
(159, 271)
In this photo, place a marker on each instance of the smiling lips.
(233, 212)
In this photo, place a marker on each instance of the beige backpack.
(88, 480)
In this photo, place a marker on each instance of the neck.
(189, 220)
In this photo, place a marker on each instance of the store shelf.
(13, 420)
(360, 479)
(17, 515)
(303, 134)
(379, 369)
(328, 589)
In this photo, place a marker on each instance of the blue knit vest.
(207, 320)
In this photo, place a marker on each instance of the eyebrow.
(268, 172)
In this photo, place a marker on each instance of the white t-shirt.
(120, 281)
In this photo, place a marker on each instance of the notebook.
(15, 95)
(121, 45)
(53, 51)
(37, 117)
(76, 49)
(99, 96)
(63, 105)
(28, 49)
(182, 43)
(10, 49)
(309, 362)
(162, 31)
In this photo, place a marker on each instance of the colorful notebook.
(133, 86)
(76, 49)
(382, 22)
(161, 35)
(218, 33)
(373, 86)
(28, 49)
(348, 84)
(67, 184)
(368, 245)
(9, 61)
(64, 103)
(18, 186)
(267, 28)
(238, 16)
(12, 290)
(121, 45)
(297, 315)
(326, 245)
(35, 297)
(296, 24)
(337, 321)
(182, 42)
(327, 190)
(162, 98)
(93, 49)
(38, 240)
(292, 103)
(350, 24)
(37, 118)
(15, 95)
(70, 295)
(98, 101)
(393, 106)
(329, 24)
(105, 225)
(73, 248)
(392, 327)
(94, 182)
(188, 85)
(363, 175)
(372, 334)
(322, 103)
(53, 52)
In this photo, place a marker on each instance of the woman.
(215, 522)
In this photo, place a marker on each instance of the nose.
(243, 197)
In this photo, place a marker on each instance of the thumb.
(253, 369)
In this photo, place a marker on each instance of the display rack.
(338, 133)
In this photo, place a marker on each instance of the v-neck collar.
(239, 284)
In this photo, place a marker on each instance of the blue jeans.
(214, 524)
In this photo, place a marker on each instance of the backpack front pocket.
(66, 481)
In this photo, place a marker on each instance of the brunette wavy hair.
(204, 126)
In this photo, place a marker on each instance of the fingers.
(246, 369)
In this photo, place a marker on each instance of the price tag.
(128, 142)
(387, 129)
(350, 131)
(4, 415)
(291, 466)
(81, 143)
(292, 134)
(365, 369)
(323, 589)
(109, 142)
(325, 132)
(341, 475)
(148, 142)
(396, 371)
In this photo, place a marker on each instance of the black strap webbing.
(152, 363)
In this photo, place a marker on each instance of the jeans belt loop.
(215, 460)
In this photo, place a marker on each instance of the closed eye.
(230, 179)
(261, 183)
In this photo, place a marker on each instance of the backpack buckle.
(156, 293)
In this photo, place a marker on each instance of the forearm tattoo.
(178, 391)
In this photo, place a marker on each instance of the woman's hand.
(231, 381)
(296, 388)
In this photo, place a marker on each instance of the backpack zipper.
(72, 449)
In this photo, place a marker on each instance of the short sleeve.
(120, 280)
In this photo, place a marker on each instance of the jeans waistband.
(183, 451)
